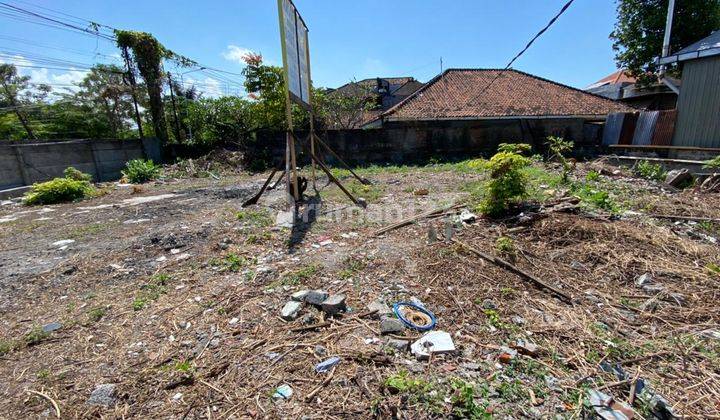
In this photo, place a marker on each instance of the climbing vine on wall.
(148, 54)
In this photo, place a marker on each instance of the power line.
(542, 31)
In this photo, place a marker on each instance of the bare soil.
(172, 292)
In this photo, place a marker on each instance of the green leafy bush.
(138, 171)
(72, 173)
(713, 163)
(649, 170)
(508, 183)
(58, 190)
(559, 147)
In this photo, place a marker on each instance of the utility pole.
(668, 28)
(131, 79)
(172, 98)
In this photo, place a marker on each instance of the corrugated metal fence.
(649, 128)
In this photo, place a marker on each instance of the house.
(621, 86)
(698, 106)
(372, 97)
(489, 106)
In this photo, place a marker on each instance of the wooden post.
(312, 113)
(289, 142)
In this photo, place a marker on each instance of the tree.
(347, 108)
(17, 93)
(106, 91)
(640, 28)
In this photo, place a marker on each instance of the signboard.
(294, 35)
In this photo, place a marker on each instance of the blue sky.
(348, 39)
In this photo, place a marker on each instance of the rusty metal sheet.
(628, 128)
(664, 128)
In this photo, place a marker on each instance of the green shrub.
(713, 163)
(72, 173)
(138, 171)
(505, 246)
(508, 183)
(649, 170)
(592, 176)
(559, 147)
(58, 190)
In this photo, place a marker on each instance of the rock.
(470, 366)
(644, 279)
(309, 319)
(391, 326)
(64, 242)
(401, 345)
(432, 235)
(416, 301)
(320, 350)
(679, 178)
(525, 347)
(300, 296)
(436, 342)
(283, 392)
(325, 365)
(103, 394)
(381, 308)
(489, 304)
(653, 288)
(517, 320)
(285, 219)
(53, 326)
(316, 297)
(291, 310)
(334, 304)
(507, 355)
(577, 266)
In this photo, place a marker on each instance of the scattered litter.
(414, 316)
(489, 304)
(380, 308)
(373, 340)
(507, 355)
(161, 258)
(644, 279)
(147, 199)
(525, 347)
(435, 342)
(467, 217)
(283, 392)
(517, 320)
(233, 321)
(325, 366)
(63, 242)
(53, 326)
(421, 191)
(177, 397)
(320, 350)
(175, 251)
(135, 221)
(349, 235)
(608, 408)
(678, 177)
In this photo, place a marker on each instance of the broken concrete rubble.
(391, 326)
(104, 395)
(678, 178)
(380, 308)
(334, 304)
(291, 310)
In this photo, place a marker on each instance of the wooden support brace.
(336, 156)
(338, 183)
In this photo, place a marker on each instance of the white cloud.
(208, 86)
(235, 53)
(42, 75)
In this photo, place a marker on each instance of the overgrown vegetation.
(138, 171)
(74, 186)
(508, 183)
(713, 163)
(559, 148)
(151, 291)
(648, 170)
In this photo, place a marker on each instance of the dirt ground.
(168, 296)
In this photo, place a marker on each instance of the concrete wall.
(27, 163)
(417, 142)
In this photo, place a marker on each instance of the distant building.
(484, 107)
(621, 86)
(379, 94)
(698, 106)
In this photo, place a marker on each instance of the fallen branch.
(54, 404)
(324, 383)
(417, 217)
(510, 267)
(327, 323)
(689, 218)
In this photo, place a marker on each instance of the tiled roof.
(618, 77)
(369, 85)
(462, 94)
